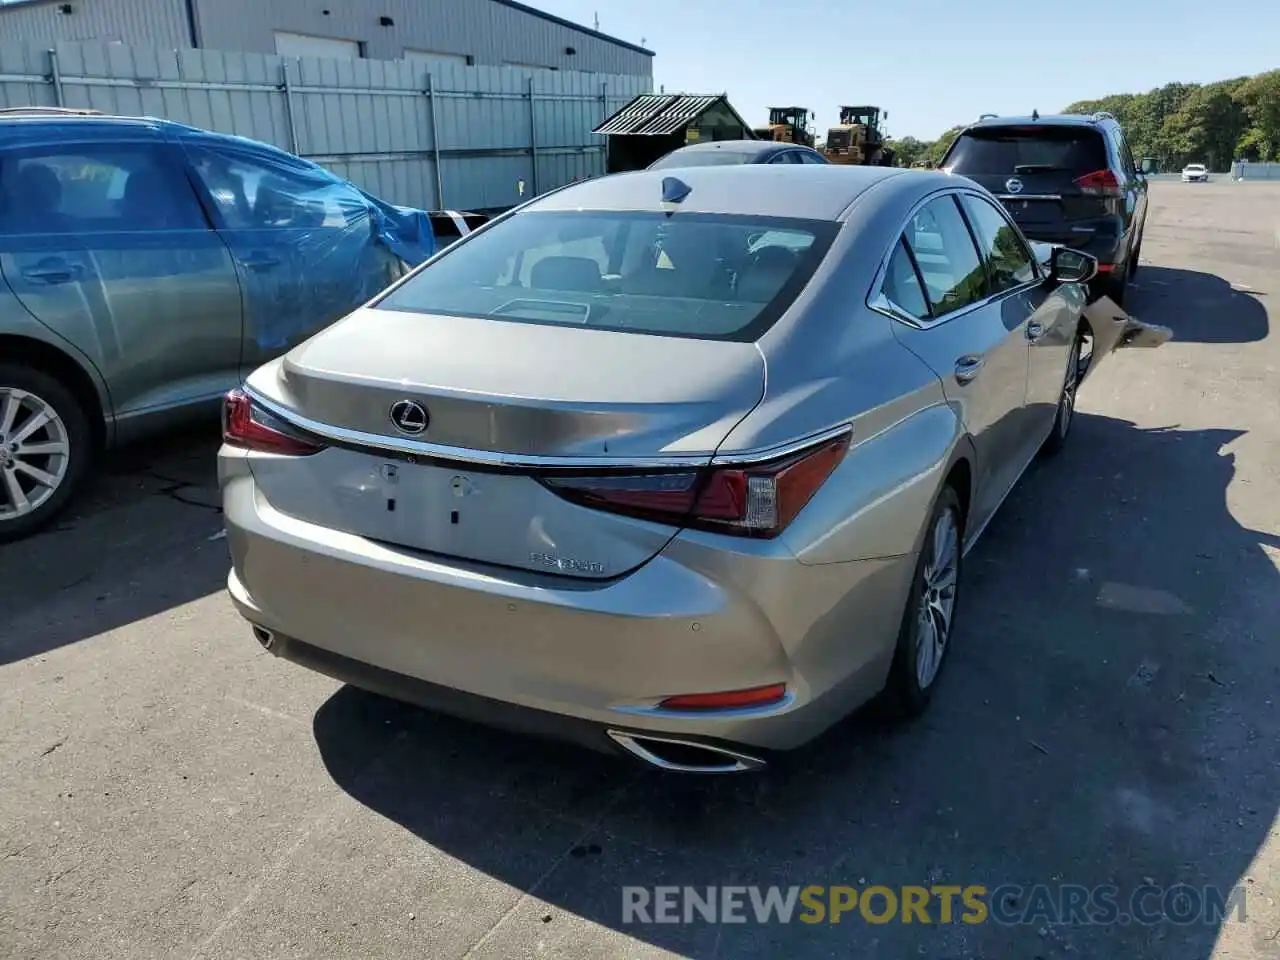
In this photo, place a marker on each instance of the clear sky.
(930, 63)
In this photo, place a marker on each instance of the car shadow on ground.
(144, 507)
(1106, 719)
(1199, 307)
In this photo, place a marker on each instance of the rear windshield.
(702, 158)
(1002, 150)
(708, 276)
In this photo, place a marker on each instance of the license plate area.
(446, 510)
(1033, 211)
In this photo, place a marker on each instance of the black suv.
(1068, 179)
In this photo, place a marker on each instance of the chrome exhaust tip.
(683, 756)
(264, 637)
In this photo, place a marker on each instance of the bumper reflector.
(728, 699)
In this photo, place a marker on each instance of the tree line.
(1177, 124)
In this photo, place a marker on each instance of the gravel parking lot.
(169, 790)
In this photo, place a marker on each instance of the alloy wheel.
(35, 451)
(937, 597)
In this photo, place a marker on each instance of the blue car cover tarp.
(304, 246)
(336, 245)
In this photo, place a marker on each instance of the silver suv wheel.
(35, 452)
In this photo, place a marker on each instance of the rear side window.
(1026, 150)
(1126, 155)
(94, 188)
(707, 276)
(943, 248)
(262, 191)
(902, 284)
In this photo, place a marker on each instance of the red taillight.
(755, 500)
(248, 426)
(728, 699)
(1100, 183)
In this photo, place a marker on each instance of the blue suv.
(145, 266)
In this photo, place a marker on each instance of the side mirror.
(1147, 167)
(1071, 266)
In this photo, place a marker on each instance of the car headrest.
(768, 269)
(566, 273)
(37, 190)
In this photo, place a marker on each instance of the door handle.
(967, 368)
(260, 261)
(1035, 330)
(55, 271)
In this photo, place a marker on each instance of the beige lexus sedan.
(682, 463)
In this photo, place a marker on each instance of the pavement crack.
(281, 862)
(173, 490)
(48, 750)
(175, 495)
(576, 844)
(62, 873)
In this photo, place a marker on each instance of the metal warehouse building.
(439, 104)
(464, 32)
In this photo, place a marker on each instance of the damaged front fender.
(1138, 333)
(1112, 328)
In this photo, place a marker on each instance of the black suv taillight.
(1099, 183)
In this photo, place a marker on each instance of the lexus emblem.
(1013, 185)
(409, 416)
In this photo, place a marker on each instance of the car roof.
(1053, 119)
(810, 191)
(43, 115)
(88, 122)
(740, 146)
(108, 125)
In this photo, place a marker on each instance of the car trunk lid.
(504, 403)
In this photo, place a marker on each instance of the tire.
(60, 450)
(910, 688)
(1065, 416)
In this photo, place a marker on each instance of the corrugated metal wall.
(162, 23)
(489, 31)
(370, 121)
(1248, 170)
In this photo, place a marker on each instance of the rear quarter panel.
(16, 321)
(830, 360)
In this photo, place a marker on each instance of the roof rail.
(1103, 115)
(987, 116)
(51, 111)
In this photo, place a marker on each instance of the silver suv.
(146, 266)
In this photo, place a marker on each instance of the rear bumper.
(1109, 249)
(571, 658)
